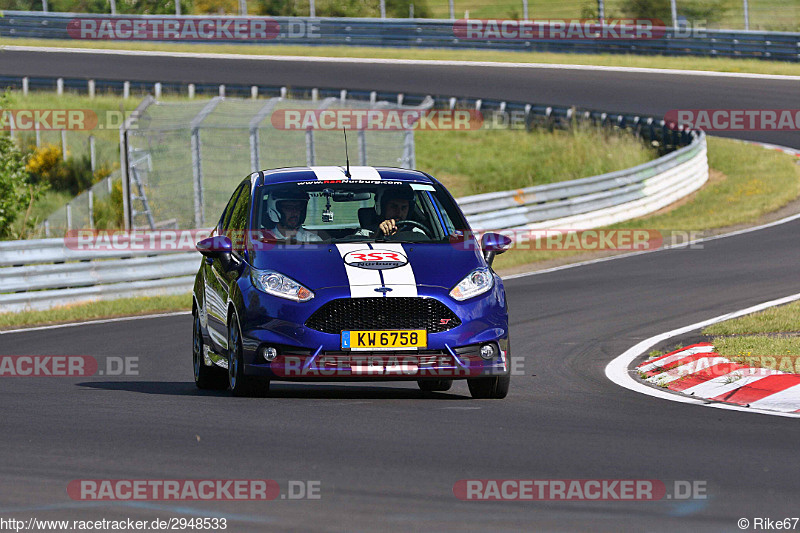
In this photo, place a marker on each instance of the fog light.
(488, 351)
(268, 353)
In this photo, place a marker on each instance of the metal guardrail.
(580, 204)
(430, 33)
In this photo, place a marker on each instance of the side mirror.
(218, 246)
(494, 244)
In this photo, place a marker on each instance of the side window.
(226, 214)
(239, 219)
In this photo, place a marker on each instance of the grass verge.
(754, 66)
(474, 162)
(96, 310)
(747, 182)
(767, 339)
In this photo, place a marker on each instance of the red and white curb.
(699, 371)
(621, 370)
(776, 147)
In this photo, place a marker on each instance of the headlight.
(279, 285)
(477, 282)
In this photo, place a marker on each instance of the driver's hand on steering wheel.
(388, 227)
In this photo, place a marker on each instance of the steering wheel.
(413, 224)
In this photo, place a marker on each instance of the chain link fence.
(185, 159)
(95, 208)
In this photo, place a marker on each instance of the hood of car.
(372, 269)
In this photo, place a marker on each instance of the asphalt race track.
(387, 456)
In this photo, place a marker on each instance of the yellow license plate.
(385, 339)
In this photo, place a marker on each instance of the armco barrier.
(423, 33)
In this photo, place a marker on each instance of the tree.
(13, 181)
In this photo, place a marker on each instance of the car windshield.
(352, 211)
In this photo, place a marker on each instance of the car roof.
(336, 173)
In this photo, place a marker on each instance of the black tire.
(205, 377)
(435, 385)
(489, 388)
(240, 384)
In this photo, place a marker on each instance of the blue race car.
(353, 274)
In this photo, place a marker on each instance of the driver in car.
(391, 206)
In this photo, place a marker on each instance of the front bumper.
(306, 354)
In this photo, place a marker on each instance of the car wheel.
(205, 377)
(489, 388)
(435, 385)
(238, 382)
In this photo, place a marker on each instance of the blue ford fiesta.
(348, 274)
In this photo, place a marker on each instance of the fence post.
(91, 88)
(64, 145)
(314, 94)
(343, 95)
(409, 158)
(91, 209)
(126, 90)
(47, 228)
(60, 86)
(254, 92)
(222, 90)
(93, 152)
(309, 147)
(69, 217)
(11, 130)
(25, 85)
(157, 90)
(191, 91)
(197, 175)
(362, 148)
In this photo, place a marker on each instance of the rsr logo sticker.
(375, 259)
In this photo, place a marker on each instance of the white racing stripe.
(337, 173)
(363, 281)
(401, 279)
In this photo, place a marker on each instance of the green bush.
(47, 167)
(708, 10)
(108, 212)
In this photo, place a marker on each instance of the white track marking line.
(617, 370)
(415, 62)
(633, 254)
(90, 322)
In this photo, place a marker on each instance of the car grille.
(383, 313)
